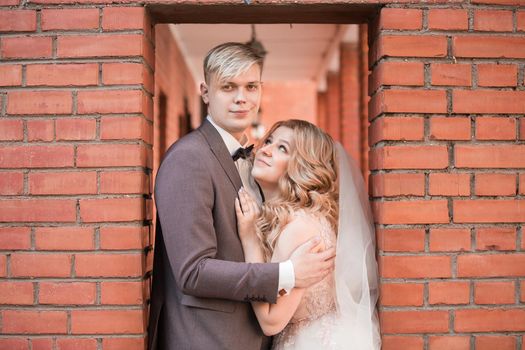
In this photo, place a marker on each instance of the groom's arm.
(184, 195)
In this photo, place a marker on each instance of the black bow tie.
(242, 153)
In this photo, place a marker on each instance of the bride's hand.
(247, 213)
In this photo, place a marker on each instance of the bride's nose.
(267, 150)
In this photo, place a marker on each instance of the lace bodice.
(318, 302)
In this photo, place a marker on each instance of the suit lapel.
(218, 147)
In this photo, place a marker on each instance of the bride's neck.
(269, 192)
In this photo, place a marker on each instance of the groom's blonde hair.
(229, 60)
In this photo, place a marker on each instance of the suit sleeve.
(184, 195)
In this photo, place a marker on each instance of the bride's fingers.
(238, 210)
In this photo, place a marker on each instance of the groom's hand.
(310, 265)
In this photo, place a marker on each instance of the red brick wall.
(447, 160)
(75, 158)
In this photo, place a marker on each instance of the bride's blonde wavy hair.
(310, 182)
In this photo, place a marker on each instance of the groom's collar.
(231, 142)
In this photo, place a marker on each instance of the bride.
(312, 190)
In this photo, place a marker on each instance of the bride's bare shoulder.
(300, 229)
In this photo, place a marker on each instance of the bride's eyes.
(283, 149)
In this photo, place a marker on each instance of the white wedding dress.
(338, 313)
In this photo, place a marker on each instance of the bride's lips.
(261, 161)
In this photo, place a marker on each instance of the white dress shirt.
(286, 270)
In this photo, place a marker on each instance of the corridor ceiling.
(295, 52)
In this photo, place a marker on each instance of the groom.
(201, 285)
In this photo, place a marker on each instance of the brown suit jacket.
(201, 285)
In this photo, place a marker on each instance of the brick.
(449, 239)
(522, 183)
(402, 342)
(522, 128)
(70, 19)
(63, 182)
(445, 342)
(397, 73)
(522, 288)
(490, 156)
(521, 21)
(36, 156)
(76, 344)
(495, 184)
(39, 102)
(122, 73)
(409, 157)
(34, 322)
(38, 210)
(122, 343)
(399, 322)
(119, 18)
(67, 293)
(488, 101)
(14, 343)
(493, 128)
(121, 293)
(401, 240)
(62, 74)
(494, 292)
(408, 101)
(451, 74)
(450, 128)
(496, 238)
(411, 212)
(400, 18)
(396, 128)
(492, 265)
(485, 320)
(498, 2)
(110, 155)
(112, 209)
(493, 20)
(11, 183)
(15, 238)
(484, 46)
(64, 238)
(16, 293)
(109, 265)
(411, 46)
(76, 129)
(449, 184)
(448, 293)
(114, 101)
(398, 184)
(497, 75)
(41, 130)
(124, 182)
(17, 20)
(40, 265)
(114, 45)
(106, 321)
(447, 19)
(11, 130)
(415, 266)
(401, 294)
(490, 342)
(42, 343)
(480, 211)
(10, 75)
(129, 128)
(3, 266)
(26, 47)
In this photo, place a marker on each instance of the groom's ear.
(204, 92)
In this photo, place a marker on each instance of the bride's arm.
(273, 317)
